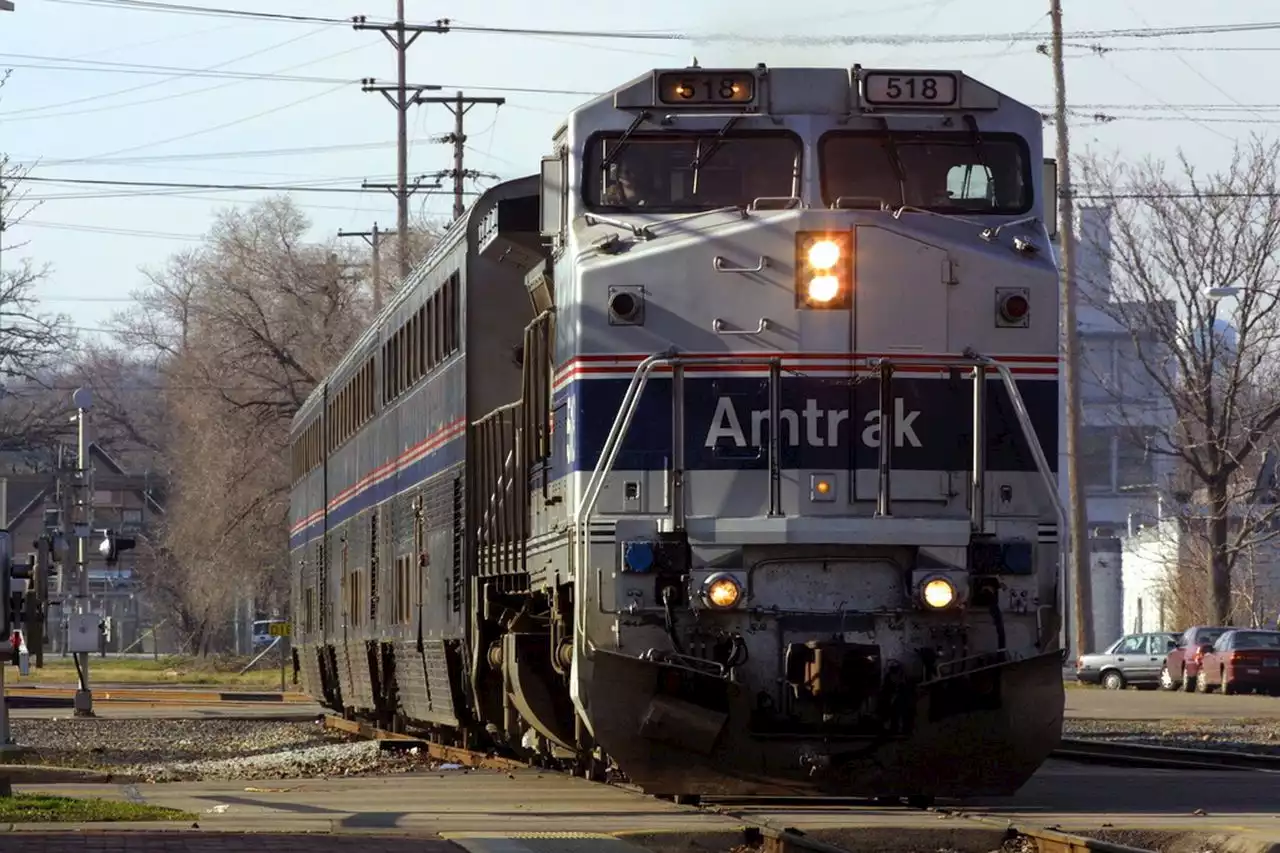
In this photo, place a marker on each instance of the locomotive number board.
(698, 88)
(910, 89)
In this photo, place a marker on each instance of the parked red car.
(1182, 664)
(1241, 660)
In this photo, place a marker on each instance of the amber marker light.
(721, 592)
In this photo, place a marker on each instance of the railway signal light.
(12, 594)
(112, 545)
(824, 269)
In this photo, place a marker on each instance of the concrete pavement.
(1072, 797)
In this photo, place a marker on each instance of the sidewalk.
(194, 841)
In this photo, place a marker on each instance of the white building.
(1125, 485)
(1152, 587)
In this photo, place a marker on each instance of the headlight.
(938, 593)
(824, 254)
(824, 288)
(824, 269)
(721, 592)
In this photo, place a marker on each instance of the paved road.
(1095, 703)
(199, 842)
(1063, 794)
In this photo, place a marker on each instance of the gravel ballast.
(223, 749)
(1243, 735)
(195, 750)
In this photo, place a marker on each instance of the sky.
(104, 90)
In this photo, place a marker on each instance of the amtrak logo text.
(821, 428)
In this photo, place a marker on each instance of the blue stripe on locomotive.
(934, 430)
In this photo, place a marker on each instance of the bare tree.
(1177, 239)
(33, 344)
(237, 333)
(1182, 583)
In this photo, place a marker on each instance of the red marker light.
(1014, 307)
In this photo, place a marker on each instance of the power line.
(179, 8)
(177, 71)
(211, 69)
(652, 35)
(299, 188)
(102, 229)
(98, 66)
(23, 115)
(220, 155)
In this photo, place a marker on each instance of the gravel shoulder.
(198, 750)
(1243, 735)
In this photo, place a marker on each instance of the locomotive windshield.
(941, 172)
(685, 172)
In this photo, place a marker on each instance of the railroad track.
(1173, 757)
(757, 833)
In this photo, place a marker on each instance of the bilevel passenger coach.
(721, 452)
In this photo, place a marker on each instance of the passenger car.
(1182, 663)
(1134, 659)
(1241, 660)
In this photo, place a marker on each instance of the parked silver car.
(1134, 659)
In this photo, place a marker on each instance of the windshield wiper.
(891, 148)
(701, 160)
(622, 141)
(980, 150)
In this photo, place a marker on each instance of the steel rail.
(757, 833)
(1141, 754)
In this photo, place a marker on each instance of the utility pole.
(372, 238)
(459, 106)
(83, 399)
(1079, 560)
(401, 36)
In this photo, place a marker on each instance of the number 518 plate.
(910, 89)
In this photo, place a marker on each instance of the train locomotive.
(720, 453)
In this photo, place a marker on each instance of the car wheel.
(1166, 680)
(1113, 680)
(1202, 682)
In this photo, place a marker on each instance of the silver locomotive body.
(687, 550)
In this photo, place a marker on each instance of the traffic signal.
(112, 545)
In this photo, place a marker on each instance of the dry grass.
(211, 671)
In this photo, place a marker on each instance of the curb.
(35, 774)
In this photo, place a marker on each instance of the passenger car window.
(1132, 645)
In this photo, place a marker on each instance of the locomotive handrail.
(604, 465)
(974, 359)
(721, 265)
(641, 231)
(718, 326)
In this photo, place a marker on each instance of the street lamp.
(6, 6)
(1221, 292)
